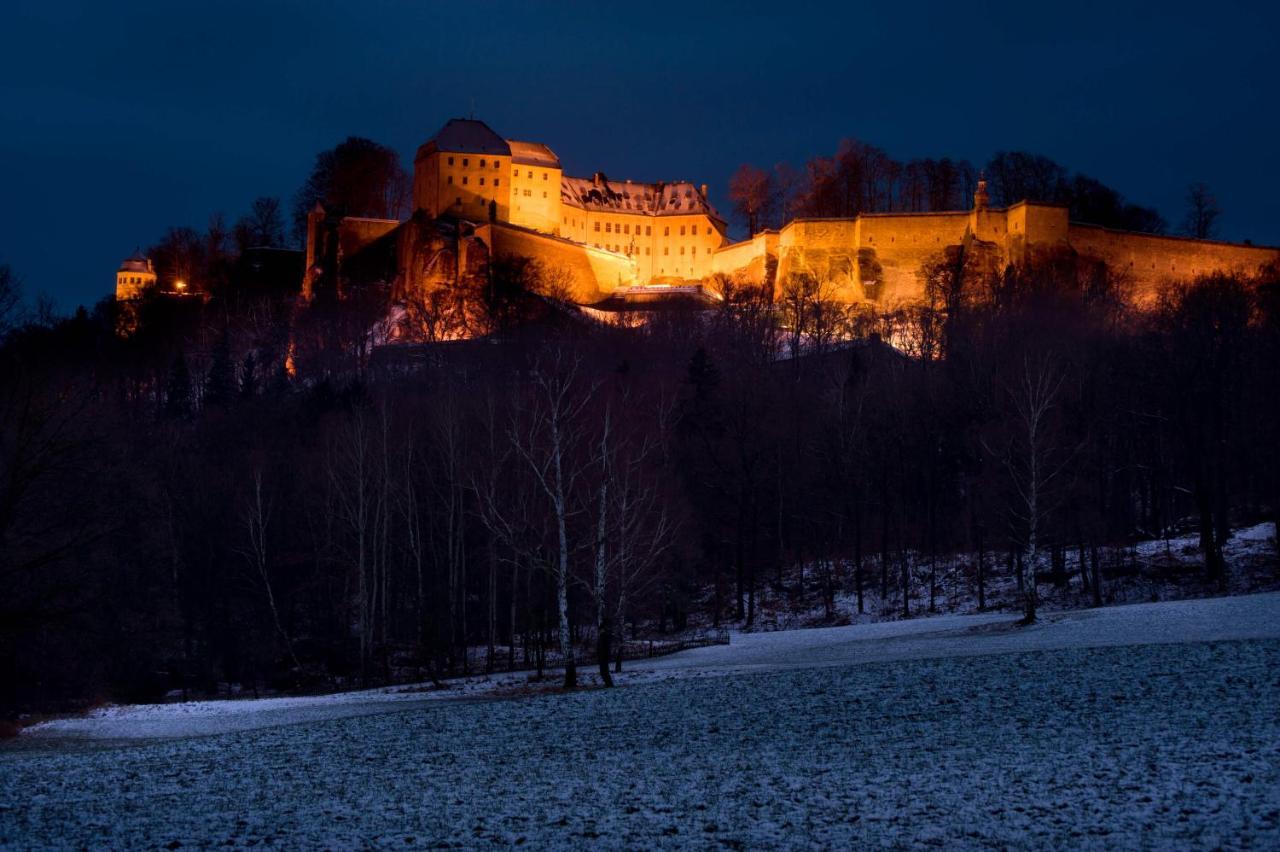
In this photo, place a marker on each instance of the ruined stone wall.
(1148, 262)
(355, 233)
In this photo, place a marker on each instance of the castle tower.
(461, 170)
(315, 223)
(134, 276)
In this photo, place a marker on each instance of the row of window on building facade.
(622, 228)
(528, 193)
(629, 250)
(466, 162)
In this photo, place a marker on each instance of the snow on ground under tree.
(1204, 620)
(1142, 726)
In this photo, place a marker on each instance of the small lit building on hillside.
(135, 275)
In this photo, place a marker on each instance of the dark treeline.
(861, 178)
(249, 491)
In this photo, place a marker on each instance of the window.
(681, 250)
(544, 194)
(708, 230)
(458, 200)
(695, 250)
(597, 226)
(648, 231)
(666, 232)
(482, 180)
(665, 251)
(682, 230)
(626, 229)
(451, 161)
(497, 181)
(530, 172)
(646, 251)
(482, 164)
(608, 227)
(450, 180)
(465, 162)
(464, 180)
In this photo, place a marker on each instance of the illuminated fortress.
(477, 195)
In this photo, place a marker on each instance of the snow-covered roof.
(599, 194)
(533, 154)
(466, 136)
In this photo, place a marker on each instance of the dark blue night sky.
(120, 119)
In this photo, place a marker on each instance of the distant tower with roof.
(135, 275)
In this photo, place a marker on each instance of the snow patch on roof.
(601, 195)
(533, 154)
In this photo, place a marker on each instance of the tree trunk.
(982, 570)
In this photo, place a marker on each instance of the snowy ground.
(1144, 726)
(1146, 571)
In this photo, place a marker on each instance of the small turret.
(980, 197)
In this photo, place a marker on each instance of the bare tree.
(1201, 220)
(752, 191)
(10, 300)
(549, 440)
(1030, 459)
(356, 472)
(256, 514)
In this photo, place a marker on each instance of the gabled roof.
(533, 154)
(466, 136)
(598, 193)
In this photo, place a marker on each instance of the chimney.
(703, 190)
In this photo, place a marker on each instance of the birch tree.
(548, 437)
(1030, 461)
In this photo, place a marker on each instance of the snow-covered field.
(1154, 725)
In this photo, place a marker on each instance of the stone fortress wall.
(882, 257)
(1148, 261)
(586, 273)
